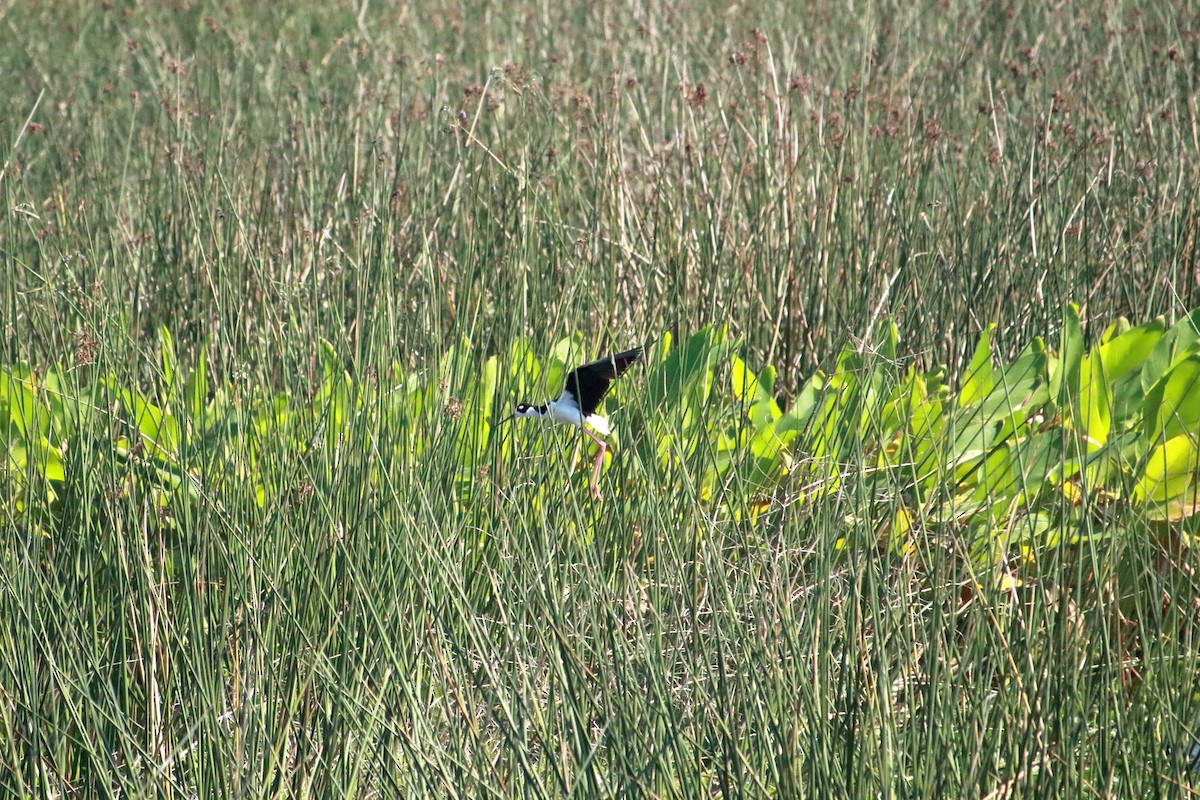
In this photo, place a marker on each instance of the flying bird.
(585, 388)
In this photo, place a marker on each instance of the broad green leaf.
(1178, 508)
(26, 413)
(485, 393)
(1020, 388)
(973, 440)
(887, 343)
(689, 365)
(745, 384)
(891, 340)
(1064, 371)
(455, 375)
(766, 383)
(978, 382)
(988, 422)
(1103, 468)
(570, 350)
(881, 387)
(754, 393)
(823, 442)
(196, 388)
(899, 539)
(566, 355)
(272, 419)
(67, 407)
(158, 428)
(1180, 341)
(1030, 528)
(838, 420)
(925, 443)
(1117, 327)
(995, 478)
(772, 438)
(473, 432)
(1172, 406)
(166, 348)
(664, 345)
(906, 395)
(806, 400)
(14, 459)
(48, 460)
(1038, 458)
(1093, 419)
(331, 362)
(1124, 357)
(524, 372)
(849, 369)
(1170, 472)
(333, 404)
(1129, 351)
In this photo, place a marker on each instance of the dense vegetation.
(902, 501)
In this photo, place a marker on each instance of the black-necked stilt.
(586, 387)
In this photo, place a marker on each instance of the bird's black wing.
(590, 382)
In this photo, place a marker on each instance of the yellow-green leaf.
(979, 379)
(1170, 471)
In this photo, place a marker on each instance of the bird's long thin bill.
(506, 419)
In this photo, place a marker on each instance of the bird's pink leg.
(599, 463)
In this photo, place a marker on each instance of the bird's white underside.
(565, 410)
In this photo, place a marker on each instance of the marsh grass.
(397, 179)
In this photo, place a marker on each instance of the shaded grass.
(260, 179)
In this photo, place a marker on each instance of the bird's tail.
(600, 424)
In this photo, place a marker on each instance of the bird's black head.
(526, 410)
